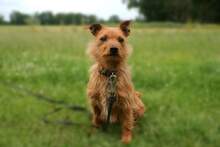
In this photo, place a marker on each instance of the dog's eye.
(120, 39)
(103, 38)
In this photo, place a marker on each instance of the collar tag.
(107, 72)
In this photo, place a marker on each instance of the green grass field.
(177, 70)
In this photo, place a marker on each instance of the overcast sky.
(101, 8)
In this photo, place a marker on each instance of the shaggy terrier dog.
(110, 51)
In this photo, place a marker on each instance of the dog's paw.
(126, 137)
(96, 122)
(95, 125)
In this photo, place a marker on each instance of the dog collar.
(107, 72)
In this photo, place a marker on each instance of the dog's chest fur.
(124, 89)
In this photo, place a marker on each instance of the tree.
(74, 18)
(206, 11)
(114, 19)
(46, 18)
(2, 21)
(18, 18)
(89, 19)
(177, 10)
(162, 10)
(32, 20)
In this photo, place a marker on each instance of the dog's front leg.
(96, 119)
(127, 121)
(96, 109)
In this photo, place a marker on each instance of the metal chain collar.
(111, 88)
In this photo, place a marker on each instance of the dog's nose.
(113, 51)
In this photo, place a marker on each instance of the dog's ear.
(124, 26)
(95, 28)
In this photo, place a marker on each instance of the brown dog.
(110, 51)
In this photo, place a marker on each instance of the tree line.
(177, 10)
(49, 18)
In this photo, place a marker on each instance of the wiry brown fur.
(128, 106)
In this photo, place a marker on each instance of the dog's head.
(110, 45)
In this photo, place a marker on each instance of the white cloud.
(101, 8)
